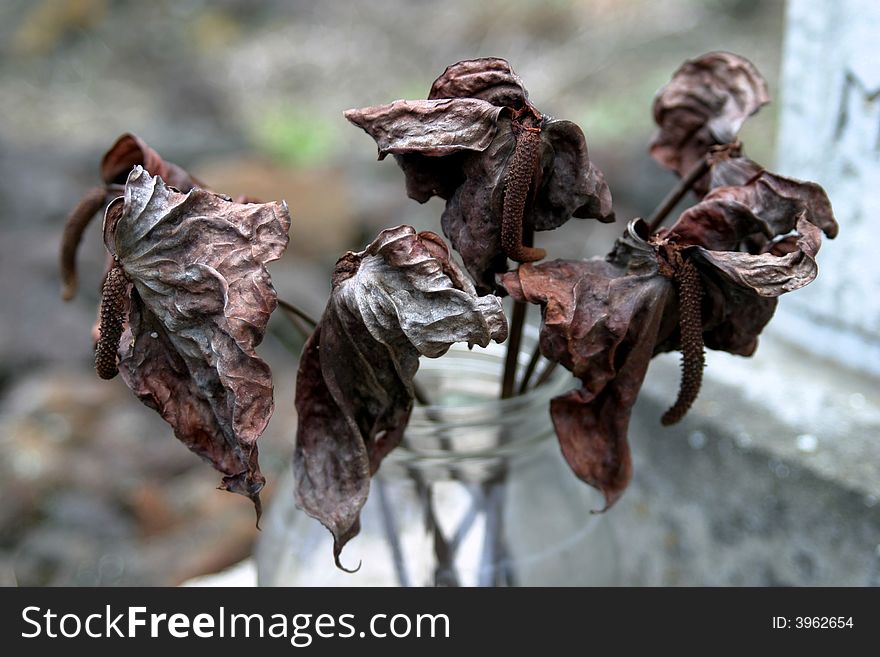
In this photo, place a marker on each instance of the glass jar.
(478, 494)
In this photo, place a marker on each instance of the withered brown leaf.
(199, 303)
(432, 128)
(487, 78)
(601, 320)
(464, 155)
(126, 152)
(773, 198)
(704, 105)
(605, 319)
(401, 298)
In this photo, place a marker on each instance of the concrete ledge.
(772, 479)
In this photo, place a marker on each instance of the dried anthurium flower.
(504, 168)
(190, 296)
(703, 107)
(708, 280)
(127, 152)
(401, 298)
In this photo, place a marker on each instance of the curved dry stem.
(89, 205)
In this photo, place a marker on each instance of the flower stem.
(293, 310)
(516, 328)
(530, 370)
(89, 205)
(677, 193)
(545, 375)
(392, 535)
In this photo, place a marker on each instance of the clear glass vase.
(478, 494)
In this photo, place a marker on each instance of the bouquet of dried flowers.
(187, 297)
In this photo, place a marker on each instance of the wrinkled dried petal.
(130, 151)
(489, 78)
(427, 177)
(126, 152)
(454, 147)
(733, 316)
(777, 200)
(705, 104)
(472, 217)
(601, 322)
(401, 298)
(770, 275)
(571, 184)
(200, 303)
(428, 127)
(568, 186)
(720, 222)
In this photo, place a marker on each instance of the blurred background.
(249, 98)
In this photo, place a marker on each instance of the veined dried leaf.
(704, 105)
(126, 152)
(777, 200)
(601, 320)
(200, 301)
(401, 298)
(460, 145)
(428, 127)
(488, 78)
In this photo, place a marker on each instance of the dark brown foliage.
(401, 298)
(605, 319)
(126, 152)
(199, 303)
(601, 320)
(446, 148)
(704, 105)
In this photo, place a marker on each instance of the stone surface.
(830, 132)
(773, 479)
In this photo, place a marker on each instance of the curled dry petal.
(767, 274)
(704, 105)
(130, 151)
(488, 78)
(572, 184)
(748, 208)
(777, 200)
(568, 185)
(401, 298)
(200, 301)
(605, 319)
(428, 127)
(459, 144)
(126, 152)
(734, 233)
(601, 320)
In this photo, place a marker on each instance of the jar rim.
(476, 423)
(557, 382)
